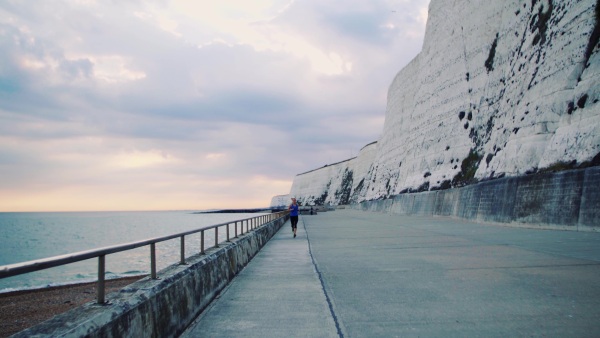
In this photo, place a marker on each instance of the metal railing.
(101, 253)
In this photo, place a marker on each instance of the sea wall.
(166, 306)
(566, 200)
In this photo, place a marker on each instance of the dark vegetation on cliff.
(356, 194)
(342, 195)
(489, 63)
(568, 165)
(594, 37)
(468, 167)
(540, 23)
(321, 199)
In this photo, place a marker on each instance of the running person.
(294, 215)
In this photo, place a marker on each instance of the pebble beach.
(22, 309)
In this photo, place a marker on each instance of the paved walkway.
(363, 274)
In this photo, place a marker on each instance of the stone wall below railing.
(161, 307)
(568, 200)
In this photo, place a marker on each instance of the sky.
(189, 105)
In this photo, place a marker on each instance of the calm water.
(31, 236)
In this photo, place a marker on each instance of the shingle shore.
(25, 308)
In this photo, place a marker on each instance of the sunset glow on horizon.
(189, 105)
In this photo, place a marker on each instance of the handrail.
(252, 223)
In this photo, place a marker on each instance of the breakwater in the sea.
(235, 211)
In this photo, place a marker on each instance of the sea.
(28, 236)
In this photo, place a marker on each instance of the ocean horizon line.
(149, 210)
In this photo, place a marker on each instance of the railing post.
(236, 229)
(228, 233)
(101, 284)
(202, 242)
(216, 237)
(182, 259)
(153, 260)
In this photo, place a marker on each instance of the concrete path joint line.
(337, 324)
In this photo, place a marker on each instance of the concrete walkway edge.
(278, 294)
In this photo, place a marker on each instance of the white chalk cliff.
(500, 88)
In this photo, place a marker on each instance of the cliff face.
(281, 201)
(501, 88)
(338, 183)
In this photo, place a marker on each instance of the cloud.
(189, 104)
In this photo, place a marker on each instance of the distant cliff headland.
(500, 89)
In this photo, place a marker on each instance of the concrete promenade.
(364, 274)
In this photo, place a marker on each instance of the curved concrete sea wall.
(566, 200)
(162, 307)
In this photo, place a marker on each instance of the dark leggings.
(294, 220)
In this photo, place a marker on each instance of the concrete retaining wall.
(162, 307)
(567, 200)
